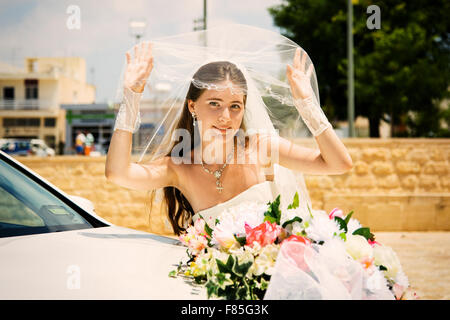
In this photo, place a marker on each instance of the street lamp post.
(202, 21)
(137, 28)
(350, 73)
(200, 24)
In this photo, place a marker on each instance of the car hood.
(100, 263)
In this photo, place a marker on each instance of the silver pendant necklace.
(218, 173)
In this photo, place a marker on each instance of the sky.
(39, 28)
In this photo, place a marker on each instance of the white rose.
(353, 225)
(357, 247)
(265, 261)
(321, 227)
(290, 214)
(385, 256)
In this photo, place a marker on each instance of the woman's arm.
(331, 158)
(118, 168)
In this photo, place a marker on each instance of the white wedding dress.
(260, 193)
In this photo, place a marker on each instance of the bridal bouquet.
(256, 251)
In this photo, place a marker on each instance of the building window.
(49, 122)
(8, 93)
(31, 89)
(21, 122)
(8, 122)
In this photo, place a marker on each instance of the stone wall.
(395, 185)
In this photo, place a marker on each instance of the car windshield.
(26, 207)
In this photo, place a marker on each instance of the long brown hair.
(179, 210)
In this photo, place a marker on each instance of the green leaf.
(223, 267)
(264, 284)
(241, 240)
(230, 262)
(211, 288)
(273, 213)
(241, 293)
(298, 219)
(310, 213)
(242, 269)
(207, 228)
(173, 274)
(365, 232)
(199, 279)
(347, 218)
(270, 219)
(382, 268)
(342, 224)
(295, 202)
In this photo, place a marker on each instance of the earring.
(194, 116)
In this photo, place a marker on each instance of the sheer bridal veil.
(261, 55)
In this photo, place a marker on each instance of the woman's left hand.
(299, 80)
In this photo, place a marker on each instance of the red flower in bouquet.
(373, 242)
(266, 233)
(297, 239)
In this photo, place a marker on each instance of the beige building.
(30, 98)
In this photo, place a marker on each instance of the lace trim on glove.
(312, 115)
(128, 118)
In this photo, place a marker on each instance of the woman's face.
(219, 113)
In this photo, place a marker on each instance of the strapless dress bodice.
(261, 193)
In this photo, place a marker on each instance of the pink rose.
(266, 233)
(297, 239)
(195, 237)
(199, 226)
(336, 212)
(197, 244)
(223, 237)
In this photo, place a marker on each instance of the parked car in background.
(16, 147)
(26, 147)
(40, 148)
(54, 246)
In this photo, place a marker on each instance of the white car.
(54, 246)
(41, 149)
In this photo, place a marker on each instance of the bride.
(227, 150)
(234, 99)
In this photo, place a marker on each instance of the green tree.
(401, 70)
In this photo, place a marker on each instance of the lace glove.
(128, 118)
(313, 115)
(303, 94)
(136, 75)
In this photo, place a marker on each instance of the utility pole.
(350, 73)
(202, 22)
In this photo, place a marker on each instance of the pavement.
(425, 258)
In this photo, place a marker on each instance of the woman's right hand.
(138, 68)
